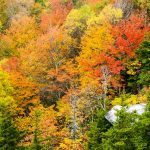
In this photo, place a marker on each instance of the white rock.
(139, 108)
(111, 115)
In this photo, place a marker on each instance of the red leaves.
(102, 59)
(126, 38)
(128, 34)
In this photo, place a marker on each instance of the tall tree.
(9, 134)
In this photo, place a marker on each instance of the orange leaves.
(34, 58)
(113, 64)
(60, 42)
(62, 70)
(11, 64)
(58, 14)
(26, 93)
(102, 59)
(49, 50)
(95, 52)
(21, 32)
(111, 47)
(41, 120)
(47, 121)
(65, 73)
(60, 80)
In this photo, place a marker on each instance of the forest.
(64, 65)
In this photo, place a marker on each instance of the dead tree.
(126, 6)
(105, 81)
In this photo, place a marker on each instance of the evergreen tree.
(143, 53)
(99, 126)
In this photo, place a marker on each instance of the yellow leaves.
(142, 98)
(21, 32)
(1, 25)
(131, 72)
(23, 123)
(41, 119)
(46, 120)
(127, 100)
(64, 108)
(133, 67)
(25, 93)
(59, 41)
(34, 57)
(47, 51)
(7, 101)
(132, 100)
(86, 80)
(144, 4)
(77, 18)
(69, 144)
(112, 14)
(96, 39)
(108, 15)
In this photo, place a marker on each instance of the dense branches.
(64, 64)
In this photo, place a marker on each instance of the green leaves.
(9, 136)
(76, 20)
(98, 127)
(3, 14)
(128, 132)
(143, 53)
(5, 89)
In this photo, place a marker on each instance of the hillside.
(64, 65)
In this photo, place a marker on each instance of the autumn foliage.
(64, 64)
